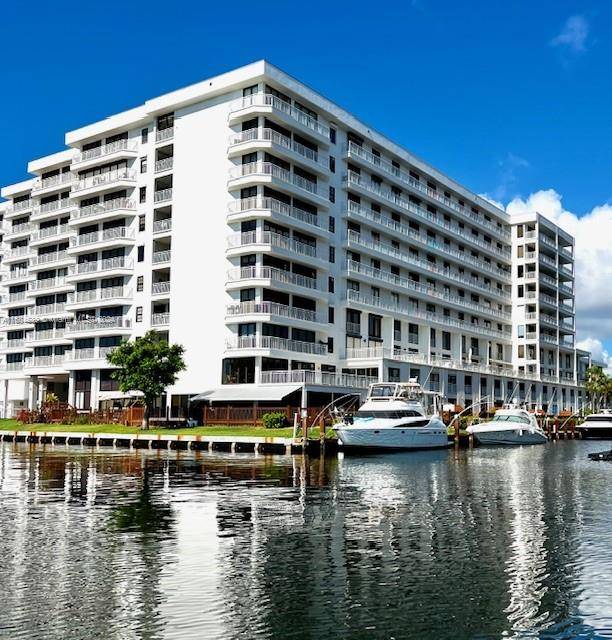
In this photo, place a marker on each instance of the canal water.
(482, 543)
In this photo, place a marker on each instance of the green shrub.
(274, 420)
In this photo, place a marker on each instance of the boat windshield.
(382, 391)
(604, 418)
(511, 417)
(400, 413)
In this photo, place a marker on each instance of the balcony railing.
(103, 293)
(48, 258)
(271, 204)
(18, 252)
(387, 167)
(165, 164)
(46, 361)
(47, 283)
(270, 135)
(353, 328)
(17, 274)
(49, 232)
(17, 297)
(272, 309)
(304, 376)
(162, 256)
(273, 170)
(274, 239)
(163, 195)
(158, 319)
(271, 273)
(268, 100)
(413, 312)
(160, 226)
(280, 344)
(22, 205)
(52, 181)
(103, 150)
(108, 264)
(103, 179)
(99, 323)
(24, 227)
(102, 236)
(428, 290)
(158, 288)
(48, 309)
(95, 353)
(103, 207)
(47, 334)
(50, 207)
(162, 135)
(15, 344)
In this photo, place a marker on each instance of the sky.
(509, 98)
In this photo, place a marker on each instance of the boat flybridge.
(510, 425)
(597, 425)
(395, 415)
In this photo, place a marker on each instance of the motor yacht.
(395, 415)
(597, 425)
(510, 425)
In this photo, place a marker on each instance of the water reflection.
(486, 543)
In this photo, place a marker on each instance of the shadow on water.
(482, 543)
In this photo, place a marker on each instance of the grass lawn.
(119, 428)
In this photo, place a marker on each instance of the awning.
(247, 393)
(117, 395)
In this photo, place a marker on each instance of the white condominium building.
(288, 246)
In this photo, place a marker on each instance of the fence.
(250, 415)
(65, 414)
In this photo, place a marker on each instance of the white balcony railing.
(272, 309)
(270, 135)
(47, 334)
(162, 195)
(162, 135)
(302, 376)
(103, 179)
(103, 207)
(280, 344)
(23, 227)
(158, 319)
(160, 226)
(49, 232)
(103, 293)
(108, 264)
(165, 164)
(274, 239)
(271, 273)
(48, 258)
(60, 179)
(273, 170)
(271, 204)
(46, 361)
(268, 100)
(17, 252)
(99, 323)
(105, 235)
(93, 353)
(48, 309)
(104, 150)
(161, 256)
(47, 283)
(158, 288)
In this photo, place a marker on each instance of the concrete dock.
(155, 441)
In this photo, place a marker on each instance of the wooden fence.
(229, 415)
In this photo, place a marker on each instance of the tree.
(149, 365)
(597, 385)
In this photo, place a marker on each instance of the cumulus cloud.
(593, 234)
(598, 352)
(508, 168)
(573, 36)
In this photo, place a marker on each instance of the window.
(138, 314)
(141, 253)
(143, 164)
(332, 135)
(140, 283)
(432, 338)
(331, 315)
(330, 345)
(247, 295)
(332, 194)
(249, 91)
(394, 374)
(144, 136)
(446, 340)
(332, 254)
(143, 194)
(330, 284)
(332, 224)
(332, 164)
(141, 223)
(374, 326)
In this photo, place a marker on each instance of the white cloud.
(593, 234)
(597, 352)
(573, 36)
(508, 168)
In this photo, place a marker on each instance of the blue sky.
(507, 97)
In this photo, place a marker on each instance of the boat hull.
(431, 437)
(510, 437)
(602, 433)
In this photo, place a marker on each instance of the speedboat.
(394, 417)
(597, 425)
(509, 426)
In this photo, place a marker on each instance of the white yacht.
(510, 425)
(597, 425)
(394, 416)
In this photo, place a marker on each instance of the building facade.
(287, 246)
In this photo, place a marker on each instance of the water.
(489, 543)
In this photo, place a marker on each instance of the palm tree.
(598, 386)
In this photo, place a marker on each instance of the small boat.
(394, 417)
(597, 425)
(509, 426)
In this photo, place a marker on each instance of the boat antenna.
(347, 400)
(474, 404)
(579, 410)
(512, 394)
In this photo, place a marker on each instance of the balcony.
(19, 207)
(273, 239)
(160, 257)
(47, 283)
(104, 236)
(412, 311)
(45, 361)
(17, 297)
(357, 211)
(53, 207)
(163, 135)
(303, 376)
(58, 181)
(100, 323)
(358, 268)
(104, 180)
(160, 319)
(48, 335)
(102, 208)
(353, 328)
(378, 165)
(272, 274)
(273, 139)
(550, 242)
(277, 344)
(407, 260)
(97, 266)
(12, 366)
(163, 195)
(160, 288)
(49, 232)
(14, 344)
(18, 274)
(120, 148)
(274, 206)
(101, 294)
(165, 164)
(18, 229)
(49, 309)
(271, 309)
(263, 102)
(96, 353)
(44, 259)
(17, 253)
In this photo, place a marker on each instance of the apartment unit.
(288, 246)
